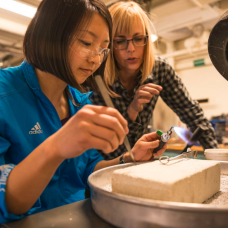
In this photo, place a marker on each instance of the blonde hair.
(123, 15)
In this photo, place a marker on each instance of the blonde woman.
(136, 78)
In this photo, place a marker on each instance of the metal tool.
(165, 159)
(109, 103)
(164, 139)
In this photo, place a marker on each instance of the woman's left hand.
(144, 147)
(142, 151)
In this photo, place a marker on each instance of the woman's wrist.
(132, 113)
(51, 150)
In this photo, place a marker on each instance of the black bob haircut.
(53, 29)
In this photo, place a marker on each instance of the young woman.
(136, 78)
(43, 164)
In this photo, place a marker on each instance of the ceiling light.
(17, 7)
(153, 37)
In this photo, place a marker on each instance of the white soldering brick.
(189, 180)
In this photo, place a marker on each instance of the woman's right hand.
(99, 127)
(143, 95)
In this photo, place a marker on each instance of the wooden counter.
(180, 147)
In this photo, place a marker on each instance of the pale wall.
(206, 82)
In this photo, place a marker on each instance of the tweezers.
(165, 159)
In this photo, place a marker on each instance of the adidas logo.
(36, 129)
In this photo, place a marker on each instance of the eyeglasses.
(138, 41)
(88, 54)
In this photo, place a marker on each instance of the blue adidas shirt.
(27, 118)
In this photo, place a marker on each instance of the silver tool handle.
(109, 103)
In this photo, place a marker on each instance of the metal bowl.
(133, 212)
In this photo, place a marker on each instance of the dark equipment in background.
(5, 61)
(218, 52)
(220, 124)
(145, 4)
(218, 46)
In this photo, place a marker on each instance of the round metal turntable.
(133, 212)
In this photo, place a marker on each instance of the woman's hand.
(98, 127)
(144, 147)
(143, 95)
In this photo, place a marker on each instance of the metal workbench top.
(79, 214)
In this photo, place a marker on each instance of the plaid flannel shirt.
(174, 94)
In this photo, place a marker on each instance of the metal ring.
(165, 160)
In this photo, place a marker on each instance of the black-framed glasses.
(138, 41)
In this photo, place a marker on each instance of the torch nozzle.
(169, 132)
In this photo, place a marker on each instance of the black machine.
(218, 46)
